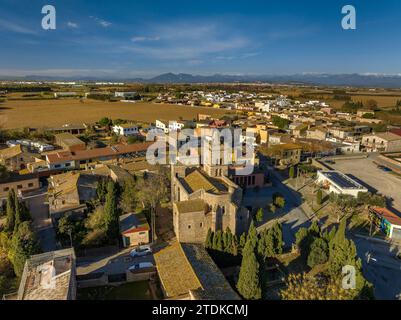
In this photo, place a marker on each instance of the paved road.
(114, 264)
(42, 224)
(383, 269)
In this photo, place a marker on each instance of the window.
(19, 186)
(201, 224)
(68, 164)
(6, 189)
(57, 166)
(142, 233)
(189, 226)
(30, 185)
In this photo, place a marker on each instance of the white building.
(339, 183)
(169, 126)
(126, 95)
(126, 129)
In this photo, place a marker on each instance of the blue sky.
(146, 38)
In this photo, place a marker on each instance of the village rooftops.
(285, 146)
(198, 274)
(68, 139)
(388, 136)
(387, 214)
(191, 206)
(197, 180)
(49, 276)
(133, 222)
(113, 151)
(342, 180)
(10, 152)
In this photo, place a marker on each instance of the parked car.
(385, 169)
(141, 265)
(141, 251)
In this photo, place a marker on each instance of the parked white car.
(141, 251)
(141, 265)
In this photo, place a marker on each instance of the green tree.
(10, 211)
(105, 122)
(279, 122)
(242, 242)
(277, 236)
(111, 211)
(343, 253)
(23, 245)
(101, 189)
(21, 213)
(219, 240)
(292, 172)
(209, 239)
(319, 252)
(319, 197)
(259, 215)
(128, 196)
(278, 200)
(248, 284)
(252, 236)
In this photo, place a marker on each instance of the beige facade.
(382, 142)
(19, 184)
(202, 202)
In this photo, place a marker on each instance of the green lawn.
(127, 291)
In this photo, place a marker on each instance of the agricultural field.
(48, 113)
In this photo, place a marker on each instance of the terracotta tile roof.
(185, 268)
(196, 180)
(170, 263)
(191, 206)
(10, 152)
(133, 222)
(388, 215)
(116, 150)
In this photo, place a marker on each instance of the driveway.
(114, 264)
(383, 269)
(42, 225)
(375, 179)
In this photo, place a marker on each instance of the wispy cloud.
(185, 40)
(140, 39)
(101, 22)
(14, 27)
(72, 25)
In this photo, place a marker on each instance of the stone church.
(203, 198)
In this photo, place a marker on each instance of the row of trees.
(257, 248)
(335, 251)
(101, 227)
(17, 240)
(345, 205)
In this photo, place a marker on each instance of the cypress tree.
(242, 241)
(110, 211)
(292, 172)
(319, 197)
(234, 247)
(209, 239)
(10, 211)
(252, 235)
(277, 235)
(248, 283)
(219, 241)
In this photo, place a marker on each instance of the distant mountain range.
(354, 80)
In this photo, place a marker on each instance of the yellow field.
(48, 113)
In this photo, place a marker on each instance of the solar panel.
(342, 180)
